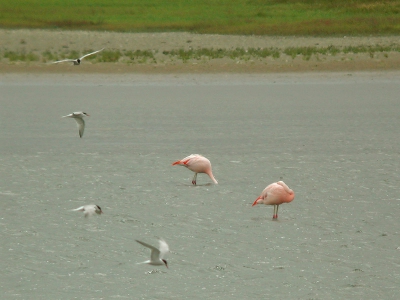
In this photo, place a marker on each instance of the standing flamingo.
(275, 194)
(198, 164)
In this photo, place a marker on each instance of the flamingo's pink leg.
(194, 179)
(275, 216)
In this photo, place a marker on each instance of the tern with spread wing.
(89, 210)
(78, 117)
(157, 255)
(78, 60)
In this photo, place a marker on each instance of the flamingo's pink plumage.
(275, 194)
(198, 164)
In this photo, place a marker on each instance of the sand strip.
(55, 41)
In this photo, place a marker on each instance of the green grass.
(22, 56)
(260, 17)
(201, 54)
(141, 56)
(108, 56)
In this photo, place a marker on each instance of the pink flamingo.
(198, 164)
(275, 194)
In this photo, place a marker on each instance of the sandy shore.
(58, 42)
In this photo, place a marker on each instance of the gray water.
(334, 139)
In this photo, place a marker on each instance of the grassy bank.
(274, 17)
(204, 54)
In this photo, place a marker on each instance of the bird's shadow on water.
(197, 185)
(264, 219)
(156, 271)
(93, 228)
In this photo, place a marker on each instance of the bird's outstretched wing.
(164, 248)
(81, 125)
(155, 253)
(58, 61)
(82, 208)
(91, 53)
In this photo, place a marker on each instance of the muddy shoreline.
(59, 42)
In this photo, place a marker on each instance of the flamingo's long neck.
(212, 177)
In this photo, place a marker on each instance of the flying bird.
(78, 60)
(78, 116)
(198, 164)
(157, 255)
(275, 194)
(89, 210)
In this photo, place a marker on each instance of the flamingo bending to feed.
(275, 194)
(198, 164)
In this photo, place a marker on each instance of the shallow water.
(334, 139)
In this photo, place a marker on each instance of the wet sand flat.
(49, 45)
(332, 137)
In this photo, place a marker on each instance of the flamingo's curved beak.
(256, 201)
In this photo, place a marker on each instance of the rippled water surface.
(334, 139)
